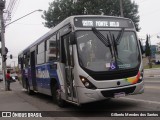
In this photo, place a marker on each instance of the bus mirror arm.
(72, 38)
(141, 47)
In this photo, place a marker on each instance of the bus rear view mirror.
(72, 38)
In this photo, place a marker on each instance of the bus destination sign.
(103, 22)
(90, 23)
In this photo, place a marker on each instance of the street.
(21, 101)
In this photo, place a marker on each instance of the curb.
(152, 69)
(152, 76)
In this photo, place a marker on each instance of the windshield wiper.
(117, 40)
(119, 37)
(105, 41)
(114, 43)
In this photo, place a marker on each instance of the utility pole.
(2, 6)
(121, 8)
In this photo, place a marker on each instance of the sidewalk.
(10, 101)
(13, 106)
(152, 73)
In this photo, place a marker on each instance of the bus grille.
(113, 75)
(110, 93)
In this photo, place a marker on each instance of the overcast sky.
(25, 31)
(149, 11)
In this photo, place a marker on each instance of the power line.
(10, 9)
(12, 6)
(142, 1)
(15, 8)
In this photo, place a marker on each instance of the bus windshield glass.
(94, 55)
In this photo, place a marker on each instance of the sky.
(149, 11)
(22, 33)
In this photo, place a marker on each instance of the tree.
(60, 9)
(148, 51)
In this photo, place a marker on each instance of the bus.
(83, 59)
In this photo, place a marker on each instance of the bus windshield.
(94, 55)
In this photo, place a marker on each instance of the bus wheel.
(60, 102)
(56, 94)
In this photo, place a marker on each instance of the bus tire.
(56, 95)
(29, 91)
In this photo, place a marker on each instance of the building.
(158, 47)
(157, 55)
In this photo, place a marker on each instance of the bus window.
(26, 59)
(95, 56)
(41, 53)
(51, 50)
(128, 50)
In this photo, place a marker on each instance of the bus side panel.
(44, 75)
(40, 77)
(52, 67)
(50, 74)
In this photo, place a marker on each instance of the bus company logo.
(42, 74)
(6, 114)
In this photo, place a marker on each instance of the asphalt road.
(148, 101)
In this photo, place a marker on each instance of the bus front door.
(69, 81)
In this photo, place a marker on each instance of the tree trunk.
(149, 60)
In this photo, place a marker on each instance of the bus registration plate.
(121, 94)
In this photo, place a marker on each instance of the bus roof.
(68, 20)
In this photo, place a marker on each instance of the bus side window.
(41, 53)
(26, 59)
(51, 49)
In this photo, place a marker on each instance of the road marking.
(152, 81)
(140, 100)
(152, 87)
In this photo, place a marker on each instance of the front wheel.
(56, 95)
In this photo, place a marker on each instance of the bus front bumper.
(88, 95)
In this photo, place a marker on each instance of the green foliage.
(147, 48)
(153, 66)
(148, 51)
(60, 9)
(158, 52)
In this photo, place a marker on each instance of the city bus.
(83, 59)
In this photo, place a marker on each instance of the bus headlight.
(141, 77)
(87, 83)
